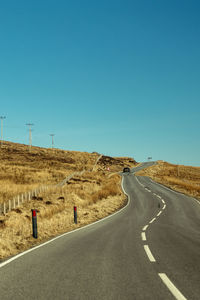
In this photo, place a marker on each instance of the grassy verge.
(184, 179)
(95, 195)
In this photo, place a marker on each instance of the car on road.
(126, 169)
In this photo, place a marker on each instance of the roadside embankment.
(96, 192)
(184, 179)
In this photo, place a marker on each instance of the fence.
(20, 199)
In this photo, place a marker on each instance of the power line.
(2, 118)
(52, 135)
(30, 134)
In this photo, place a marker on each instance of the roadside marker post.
(75, 214)
(34, 223)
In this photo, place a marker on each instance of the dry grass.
(184, 179)
(95, 193)
(94, 197)
(22, 171)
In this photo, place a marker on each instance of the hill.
(94, 188)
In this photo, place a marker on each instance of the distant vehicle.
(126, 169)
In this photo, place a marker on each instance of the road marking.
(155, 194)
(159, 197)
(145, 227)
(197, 201)
(152, 220)
(179, 193)
(164, 206)
(163, 201)
(159, 213)
(167, 188)
(143, 236)
(177, 294)
(138, 181)
(149, 254)
(69, 232)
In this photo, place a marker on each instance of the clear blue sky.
(118, 77)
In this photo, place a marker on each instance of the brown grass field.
(96, 193)
(184, 179)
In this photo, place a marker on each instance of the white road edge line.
(159, 213)
(145, 227)
(143, 236)
(173, 190)
(139, 181)
(70, 232)
(149, 254)
(163, 201)
(164, 206)
(177, 294)
(152, 220)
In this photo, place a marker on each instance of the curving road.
(148, 250)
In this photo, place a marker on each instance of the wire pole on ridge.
(52, 135)
(30, 134)
(2, 118)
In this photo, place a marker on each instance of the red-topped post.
(75, 214)
(34, 222)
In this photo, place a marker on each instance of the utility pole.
(178, 170)
(2, 118)
(52, 135)
(30, 134)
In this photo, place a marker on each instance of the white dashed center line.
(177, 294)
(145, 227)
(149, 254)
(143, 236)
(152, 220)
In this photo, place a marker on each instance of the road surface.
(148, 250)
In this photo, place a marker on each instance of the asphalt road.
(129, 255)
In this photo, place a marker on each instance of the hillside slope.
(184, 179)
(96, 192)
